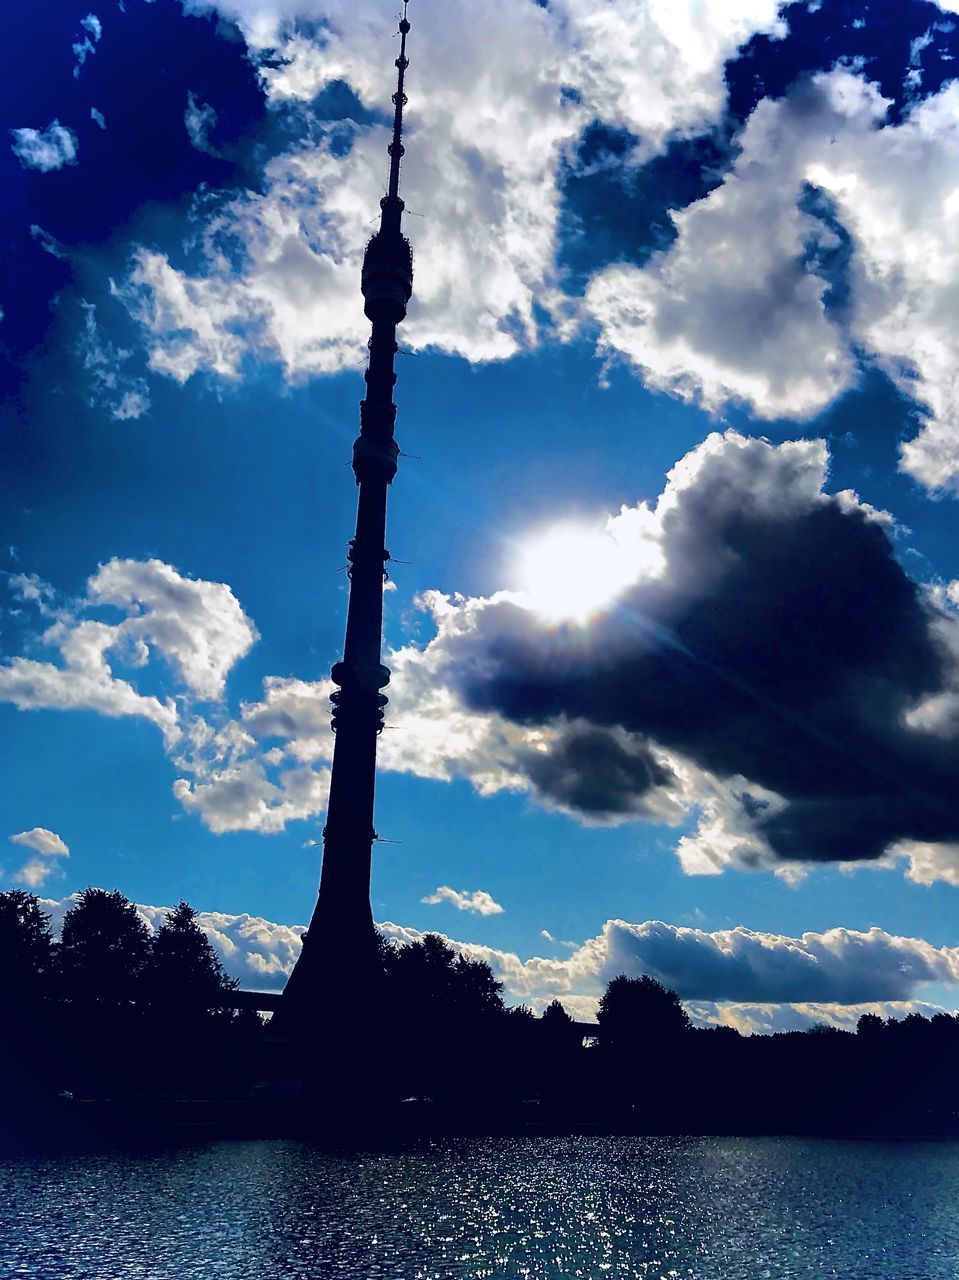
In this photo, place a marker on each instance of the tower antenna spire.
(396, 148)
(340, 950)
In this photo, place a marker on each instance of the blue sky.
(643, 234)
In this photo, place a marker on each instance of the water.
(656, 1208)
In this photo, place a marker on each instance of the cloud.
(84, 683)
(121, 395)
(34, 873)
(773, 670)
(45, 149)
(84, 48)
(840, 966)
(479, 902)
(49, 846)
(831, 238)
(200, 120)
(757, 982)
(488, 140)
(43, 841)
(771, 1019)
(927, 863)
(98, 117)
(778, 982)
(260, 953)
(198, 627)
(241, 797)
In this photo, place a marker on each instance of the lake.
(657, 1208)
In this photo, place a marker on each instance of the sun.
(571, 572)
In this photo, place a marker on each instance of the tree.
(104, 949)
(30, 1032)
(183, 969)
(556, 1019)
(26, 946)
(638, 1012)
(432, 981)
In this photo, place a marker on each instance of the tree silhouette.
(26, 961)
(634, 1012)
(440, 1009)
(183, 970)
(26, 946)
(434, 981)
(104, 949)
(199, 1048)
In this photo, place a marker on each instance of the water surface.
(656, 1208)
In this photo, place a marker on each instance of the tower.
(339, 956)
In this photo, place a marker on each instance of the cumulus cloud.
(766, 670)
(770, 1019)
(479, 902)
(198, 627)
(241, 796)
(43, 841)
(741, 306)
(45, 149)
(260, 953)
(488, 139)
(48, 846)
(771, 675)
(122, 395)
(757, 982)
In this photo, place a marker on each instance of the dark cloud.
(840, 965)
(599, 772)
(783, 644)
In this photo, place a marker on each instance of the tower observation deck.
(339, 960)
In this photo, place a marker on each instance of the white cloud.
(49, 846)
(241, 797)
(197, 626)
(84, 48)
(87, 685)
(926, 863)
(200, 120)
(479, 902)
(779, 982)
(735, 309)
(42, 841)
(768, 1019)
(98, 117)
(120, 394)
(35, 872)
(45, 149)
(488, 133)
(31, 589)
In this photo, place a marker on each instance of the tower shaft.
(339, 955)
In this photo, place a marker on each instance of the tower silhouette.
(339, 959)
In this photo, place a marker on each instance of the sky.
(673, 609)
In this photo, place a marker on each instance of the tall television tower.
(339, 957)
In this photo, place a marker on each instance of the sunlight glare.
(571, 572)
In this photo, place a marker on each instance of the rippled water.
(526, 1207)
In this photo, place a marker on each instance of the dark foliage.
(26, 947)
(112, 1009)
(115, 1011)
(103, 952)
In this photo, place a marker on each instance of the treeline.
(113, 1010)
